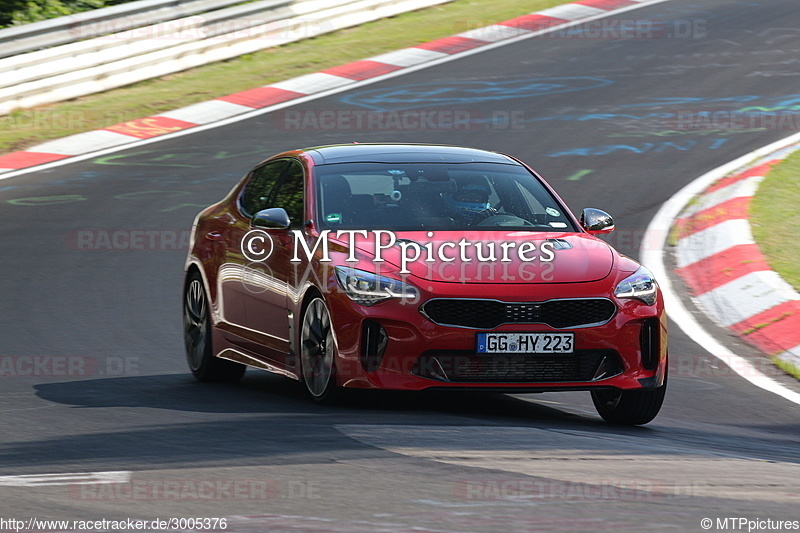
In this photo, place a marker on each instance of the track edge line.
(652, 254)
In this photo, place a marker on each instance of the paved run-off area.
(593, 118)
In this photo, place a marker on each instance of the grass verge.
(775, 218)
(787, 367)
(24, 128)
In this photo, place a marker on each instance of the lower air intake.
(467, 367)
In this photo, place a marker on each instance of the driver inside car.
(469, 204)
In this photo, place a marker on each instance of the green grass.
(25, 128)
(775, 218)
(787, 367)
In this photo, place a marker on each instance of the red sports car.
(410, 267)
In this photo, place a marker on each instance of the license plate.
(516, 342)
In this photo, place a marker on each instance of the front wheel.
(318, 353)
(197, 337)
(629, 407)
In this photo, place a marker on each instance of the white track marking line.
(49, 480)
(312, 83)
(75, 144)
(652, 255)
(571, 11)
(407, 57)
(321, 94)
(205, 112)
(655, 236)
(493, 33)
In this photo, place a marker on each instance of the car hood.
(575, 257)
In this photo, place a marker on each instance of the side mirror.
(596, 222)
(273, 218)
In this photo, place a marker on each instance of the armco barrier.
(53, 32)
(111, 47)
(144, 52)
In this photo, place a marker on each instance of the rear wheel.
(629, 407)
(318, 353)
(197, 337)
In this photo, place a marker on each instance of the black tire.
(197, 336)
(629, 407)
(318, 353)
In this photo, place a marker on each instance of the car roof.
(402, 153)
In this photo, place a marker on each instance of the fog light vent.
(374, 341)
(649, 339)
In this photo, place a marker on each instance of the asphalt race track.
(95, 378)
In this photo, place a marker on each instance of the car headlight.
(366, 288)
(640, 285)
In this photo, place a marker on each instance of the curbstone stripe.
(238, 103)
(727, 273)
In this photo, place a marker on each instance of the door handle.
(214, 236)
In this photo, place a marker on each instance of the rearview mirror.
(596, 222)
(272, 218)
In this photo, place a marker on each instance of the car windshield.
(434, 196)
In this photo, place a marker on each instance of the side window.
(260, 190)
(290, 194)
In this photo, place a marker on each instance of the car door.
(260, 187)
(269, 282)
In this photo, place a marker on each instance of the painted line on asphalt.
(49, 480)
(653, 252)
(724, 269)
(655, 237)
(110, 145)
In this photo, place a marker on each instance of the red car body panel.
(256, 319)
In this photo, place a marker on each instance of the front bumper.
(627, 352)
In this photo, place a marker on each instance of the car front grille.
(488, 314)
(456, 366)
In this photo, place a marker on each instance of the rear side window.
(261, 187)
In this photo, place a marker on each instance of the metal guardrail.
(62, 30)
(177, 42)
